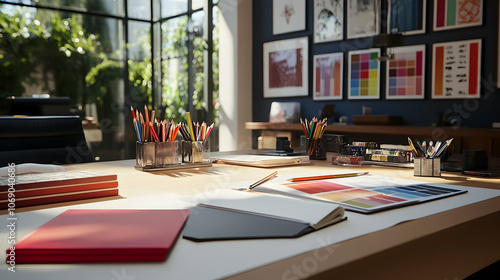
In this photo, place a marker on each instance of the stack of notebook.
(102, 235)
(44, 188)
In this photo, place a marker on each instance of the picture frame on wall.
(286, 67)
(451, 14)
(363, 18)
(328, 20)
(405, 73)
(328, 76)
(498, 48)
(456, 69)
(364, 74)
(406, 16)
(289, 16)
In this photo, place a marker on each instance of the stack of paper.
(96, 235)
(44, 188)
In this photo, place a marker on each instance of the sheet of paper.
(307, 211)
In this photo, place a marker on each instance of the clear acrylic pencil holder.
(152, 156)
(196, 152)
(314, 148)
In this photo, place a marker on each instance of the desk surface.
(448, 245)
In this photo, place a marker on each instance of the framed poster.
(364, 74)
(456, 69)
(450, 14)
(363, 18)
(406, 16)
(328, 76)
(285, 68)
(405, 77)
(328, 20)
(498, 48)
(289, 16)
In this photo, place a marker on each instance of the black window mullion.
(208, 61)
(190, 46)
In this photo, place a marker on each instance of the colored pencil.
(308, 178)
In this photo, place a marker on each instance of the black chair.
(28, 106)
(51, 139)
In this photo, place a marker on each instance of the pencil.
(308, 178)
(190, 124)
(265, 179)
(209, 130)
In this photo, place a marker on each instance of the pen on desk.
(413, 148)
(265, 179)
(332, 176)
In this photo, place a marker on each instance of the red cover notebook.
(103, 236)
(26, 193)
(42, 180)
(60, 197)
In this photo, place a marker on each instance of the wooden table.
(448, 245)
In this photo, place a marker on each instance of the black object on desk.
(474, 160)
(282, 148)
(210, 224)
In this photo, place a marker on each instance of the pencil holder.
(315, 148)
(145, 154)
(166, 153)
(429, 167)
(196, 152)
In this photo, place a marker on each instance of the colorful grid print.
(364, 74)
(405, 73)
(456, 69)
(319, 186)
(328, 76)
(449, 14)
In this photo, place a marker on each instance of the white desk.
(448, 245)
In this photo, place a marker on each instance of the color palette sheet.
(450, 14)
(364, 74)
(456, 69)
(405, 73)
(328, 78)
(364, 194)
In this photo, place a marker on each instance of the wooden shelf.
(465, 138)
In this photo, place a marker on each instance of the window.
(110, 55)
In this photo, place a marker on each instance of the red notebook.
(62, 197)
(103, 236)
(26, 193)
(43, 180)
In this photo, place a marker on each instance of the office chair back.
(51, 139)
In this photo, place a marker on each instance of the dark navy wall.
(470, 113)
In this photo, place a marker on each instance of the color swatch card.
(364, 74)
(328, 76)
(364, 194)
(456, 69)
(405, 73)
(450, 14)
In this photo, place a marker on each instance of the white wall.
(235, 74)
